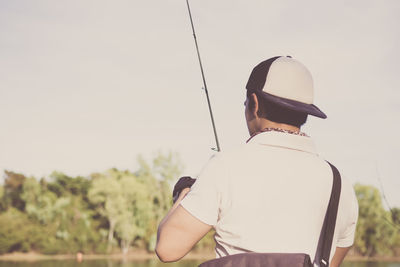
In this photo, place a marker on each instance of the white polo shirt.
(270, 195)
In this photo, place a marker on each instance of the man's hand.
(183, 182)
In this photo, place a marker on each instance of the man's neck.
(264, 123)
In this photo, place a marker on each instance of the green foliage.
(396, 216)
(157, 176)
(133, 203)
(17, 233)
(65, 185)
(40, 202)
(376, 233)
(206, 243)
(105, 194)
(12, 190)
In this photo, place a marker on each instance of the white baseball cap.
(286, 82)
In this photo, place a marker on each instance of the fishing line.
(218, 149)
(385, 199)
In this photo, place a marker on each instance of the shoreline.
(352, 258)
(144, 255)
(136, 255)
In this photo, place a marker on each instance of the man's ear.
(253, 105)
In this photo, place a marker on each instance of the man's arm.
(339, 255)
(346, 235)
(178, 232)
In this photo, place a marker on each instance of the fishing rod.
(394, 223)
(218, 149)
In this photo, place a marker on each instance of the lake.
(150, 263)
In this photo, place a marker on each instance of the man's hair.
(279, 114)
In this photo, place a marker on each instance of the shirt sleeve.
(346, 236)
(204, 197)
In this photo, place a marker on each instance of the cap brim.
(294, 105)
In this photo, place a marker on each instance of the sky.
(90, 85)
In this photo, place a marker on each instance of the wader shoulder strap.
(328, 228)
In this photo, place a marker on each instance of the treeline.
(117, 210)
(96, 214)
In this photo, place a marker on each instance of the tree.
(41, 204)
(375, 232)
(125, 202)
(126, 230)
(104, 193)
(66, 217)
(17, 233)
(134, 218)
(158, 175)
(12, 190)
(396, 216)
(63, 184)
(133, 203)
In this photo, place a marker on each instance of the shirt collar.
(285, 140)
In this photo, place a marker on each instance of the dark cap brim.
(293, 105)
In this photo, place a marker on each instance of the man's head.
(280, 90)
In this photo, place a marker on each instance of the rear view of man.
(271, 194)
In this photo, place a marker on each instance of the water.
(370, 264)
(98, 263)
(150, 263)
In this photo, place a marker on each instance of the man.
(271, 194)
